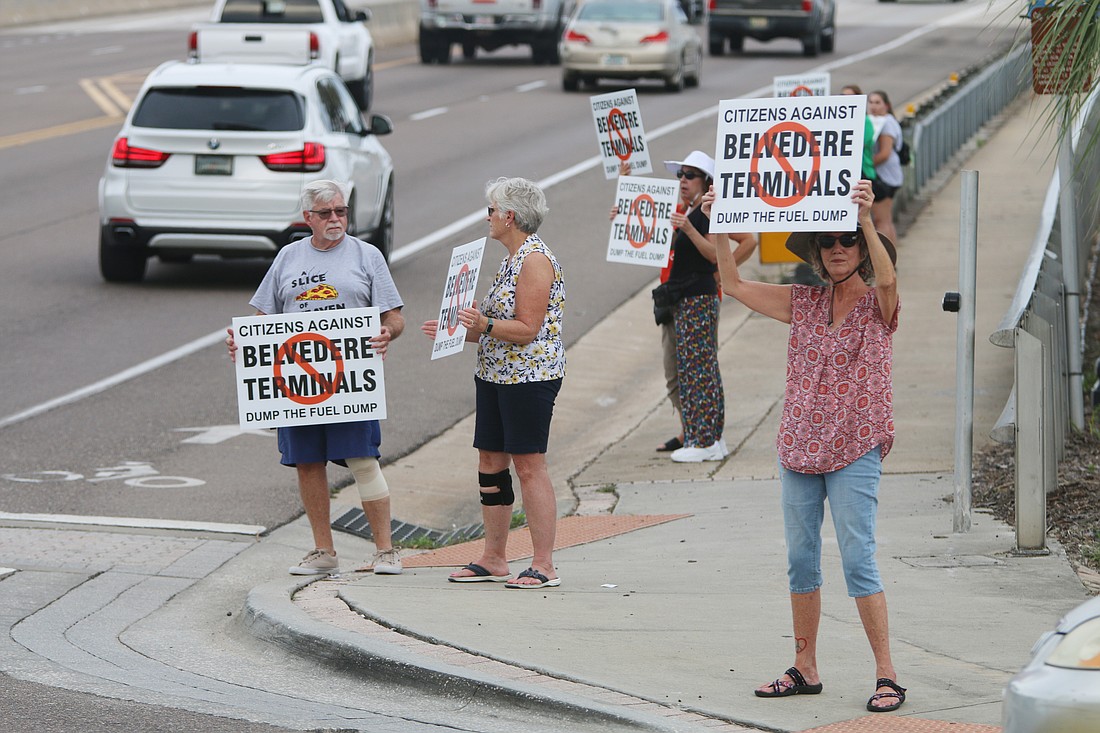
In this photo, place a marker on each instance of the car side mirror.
(362, 16)
(378, 125)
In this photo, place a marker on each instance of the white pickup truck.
(292, 32)
(491, 24)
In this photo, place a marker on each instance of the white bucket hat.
(695, 159)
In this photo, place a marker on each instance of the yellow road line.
(102, 101)
(69, 128)
(397, 62)
(112, 91)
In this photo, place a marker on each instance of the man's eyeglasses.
(827, 241)
(340, 211)
(690, 175)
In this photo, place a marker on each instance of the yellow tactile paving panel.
(575, 530)
(891, 723)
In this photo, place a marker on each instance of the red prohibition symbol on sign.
(619, 127)
(328, 387)
(637, 208)
(456, 299)
(801, 186)
(802, 91)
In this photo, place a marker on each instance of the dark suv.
(813, 22)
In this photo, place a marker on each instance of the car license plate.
(213, 165)
(612, 59)
(484, 20)
(758, 23)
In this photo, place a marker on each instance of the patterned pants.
(704, 401)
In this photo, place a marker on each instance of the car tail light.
(125, 156)
(309, 159)
(433, 4)
(807, 6)
(314, 46)
(536, 4)
(572, 35)
(659, 37)
(193, 45)
(712, 5)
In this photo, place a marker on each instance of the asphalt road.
(153, 446)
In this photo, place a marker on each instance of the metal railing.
(937, 136)
(1043, 326)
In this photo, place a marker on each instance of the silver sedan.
(631, 39)
(1058, 691)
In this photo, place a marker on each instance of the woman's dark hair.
(885, 98)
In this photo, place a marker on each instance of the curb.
(271, 615)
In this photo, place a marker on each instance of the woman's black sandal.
(673, 443)
(898, 692)
(780, 688)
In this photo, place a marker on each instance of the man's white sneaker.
(316, 562)
(697, 454)
(386, 562)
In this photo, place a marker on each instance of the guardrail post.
(1031, 510)
(964, 350)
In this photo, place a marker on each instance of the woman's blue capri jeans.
(852, 492)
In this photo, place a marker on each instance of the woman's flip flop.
(543, 581)
(480, 575)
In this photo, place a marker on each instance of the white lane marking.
(214, 434)
(125, 375)
(531, 85)
(470, 219)
(433, 112)
(107, 50)
(251, 530)
(36, 89)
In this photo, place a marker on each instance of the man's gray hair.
(323, 192)
(522, 197)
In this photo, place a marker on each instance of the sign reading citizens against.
(641, 233)
(619, 132)
(788, 164)
(308, 368)
(458, 293)
(801, 85)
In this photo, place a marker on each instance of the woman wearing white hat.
(694, 298)
(837, 426)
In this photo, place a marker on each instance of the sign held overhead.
(788, 164)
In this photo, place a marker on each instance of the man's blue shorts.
(332, 442)
(514, 418)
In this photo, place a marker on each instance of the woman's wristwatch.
(488, 326)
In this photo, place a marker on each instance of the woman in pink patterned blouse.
(836, 428)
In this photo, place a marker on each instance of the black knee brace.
(503, 481)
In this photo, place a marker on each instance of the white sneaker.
(723, 447)
(697, 454)
(316, 562)
(387, 562)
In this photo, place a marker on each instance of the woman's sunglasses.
(690, 175)
(827, 241)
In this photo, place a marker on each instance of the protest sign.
(458, 293)
(641, 232)
(308, 368)
(788, 164)
(801, 85)
(619, 132)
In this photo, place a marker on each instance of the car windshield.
(272, 11)
(628, 12)
(220, 108)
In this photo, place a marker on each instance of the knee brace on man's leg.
(368, 478)
(503, 481)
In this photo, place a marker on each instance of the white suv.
(212, 159)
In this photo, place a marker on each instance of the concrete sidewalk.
(672, 625)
